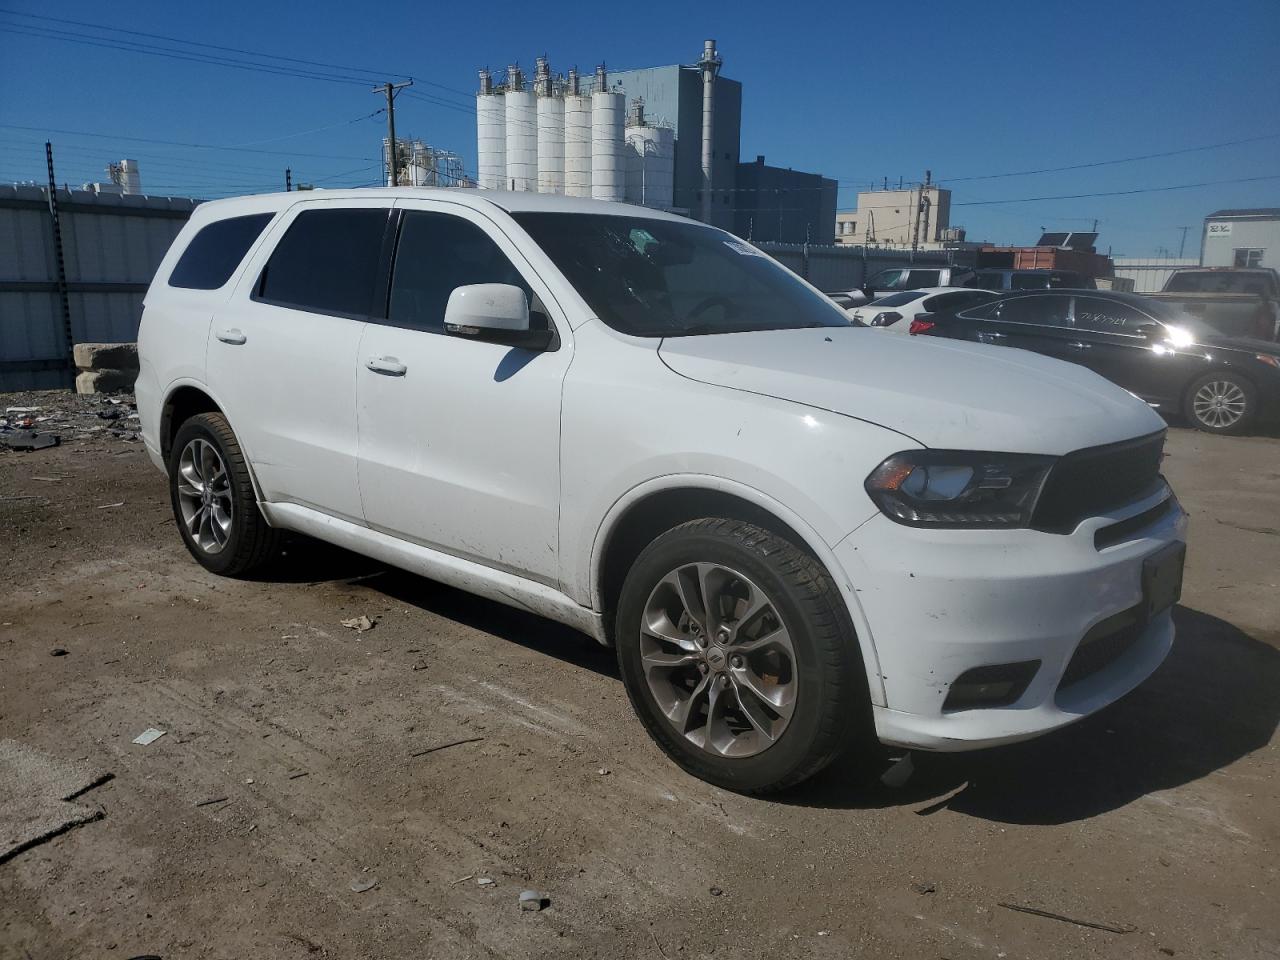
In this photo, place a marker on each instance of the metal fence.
(110, 248)
(845, 267)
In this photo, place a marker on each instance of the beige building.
(888, 218)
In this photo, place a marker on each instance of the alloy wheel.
(204, 495)
(718, 660)
(1219, 404)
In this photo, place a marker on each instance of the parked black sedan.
(1173, 361)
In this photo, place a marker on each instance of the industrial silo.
(491, 135)
(550, 131)
(651, 166)
(522, 133)
(608, 161)
(577, 139)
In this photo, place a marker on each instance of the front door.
(282, 351)
(459, 440)
(1032, 322)
(1155, 368)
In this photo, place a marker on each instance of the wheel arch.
(185, 400)
(651, 509)
(1219, 368)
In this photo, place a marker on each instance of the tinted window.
(985, 312)
(923, 278)
(1213, 281)
(669, 278)
(1041, 311)
(897, 299)
(327, 261)
(214, 253)
(955, 301)
(436, 254)
(987, 281)
(888, 279)
(1109, 316)
(1029, 281)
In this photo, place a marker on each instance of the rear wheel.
(213, 499)
(739, 657)
(1222, 402)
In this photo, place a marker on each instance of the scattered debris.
(9, 410)
(485, 881)
(361, 884)
(716, 892)
(923, 888)
(359, 624)
(58, 652)
(300, 773)
(111, 506)
(29, 440)
(148, 737)
(603, 771)
(658, 945)
(69, 417)
(211, 800)
(446, 746)
(898, 774)
(532, 901)
(461, 879)
(1057, 916)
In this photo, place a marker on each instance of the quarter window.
(436, 254)
(1039, 311)
(327, 262)
(1109, 316)
(216, 250)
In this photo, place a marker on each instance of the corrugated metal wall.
(111, 246)
(843, 267)
(1150, 273)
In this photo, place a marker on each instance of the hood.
(941, 393)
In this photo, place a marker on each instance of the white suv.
(801, 536)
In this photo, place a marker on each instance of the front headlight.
(959, 488)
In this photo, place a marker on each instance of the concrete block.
(105, 381)
(106, 356)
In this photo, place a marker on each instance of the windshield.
(1212, 281)
(662, 278)
(1173, 316)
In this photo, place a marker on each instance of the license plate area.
(1162, 578)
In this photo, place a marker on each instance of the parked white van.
(801, 536)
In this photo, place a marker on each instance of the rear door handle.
(387, 366)
(992, 337)
(232, 336)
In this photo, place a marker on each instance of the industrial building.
(1242, 238)
(419, 164)
(666, 137)
(917, 216)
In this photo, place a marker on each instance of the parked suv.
(800, 535)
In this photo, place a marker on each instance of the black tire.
(250, 542)
(832, 712)
(1222, 382)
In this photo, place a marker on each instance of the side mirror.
(495, 313)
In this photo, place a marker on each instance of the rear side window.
(216, 250)
(1109, 316)
(1039, 311)
(897, 299)
(923, 278)
(955, 301)
(327, 262)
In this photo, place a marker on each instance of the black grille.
(1095, 480)
(1102, 646)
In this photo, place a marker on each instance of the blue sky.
(852, 90)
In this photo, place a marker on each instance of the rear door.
(1038, 322)
(282, 351)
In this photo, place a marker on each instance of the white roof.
(512, 201)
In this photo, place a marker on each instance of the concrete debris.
(58, 652)
(359, 624)
(148, 737)
(29, 440)
(69, 418)
(484, 881)
(361, 884)
(532, 901)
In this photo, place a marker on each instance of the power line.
(178, 143)
(1120, 193)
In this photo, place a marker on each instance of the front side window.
(1038, 311)
(327, 261)
(216, 250)
(888, 280)
(1029, 281)
(663, 278)
(437, 253)
(1109, 316)
(1246, 257)
(923, 278)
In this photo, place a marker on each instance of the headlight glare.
(959, 488)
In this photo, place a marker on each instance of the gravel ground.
(1158, 816)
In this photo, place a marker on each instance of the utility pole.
(288, 179)
(61, 263)
(390, 90)
(1183, 245)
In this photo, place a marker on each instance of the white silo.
(130, 178)
(577, 139)
(651, 166)
(608, 161)
(550, 132)
(491, 135)
(522, 134)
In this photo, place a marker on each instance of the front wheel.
(739, 657)
(1222, 402)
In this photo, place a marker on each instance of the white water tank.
(491, 141)
(608, 159)
(577, 146)
(522, 140)
(651, 166)
(130, 178)
(550, 145)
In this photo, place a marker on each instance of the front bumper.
(941, 602)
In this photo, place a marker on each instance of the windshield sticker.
(746, 249)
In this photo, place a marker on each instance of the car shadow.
(1211, 703)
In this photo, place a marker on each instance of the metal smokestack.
(710, 65)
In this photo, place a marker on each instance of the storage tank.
(550, 132)
(577, 139)
(608, 160)
(651, 166)
(130, 177)
(522, 134)
(491, 136)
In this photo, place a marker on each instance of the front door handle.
(1080, 345)
(387, 366)
(232, 336)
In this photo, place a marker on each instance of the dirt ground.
(1161, 814)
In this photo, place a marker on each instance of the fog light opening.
(995, 685)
